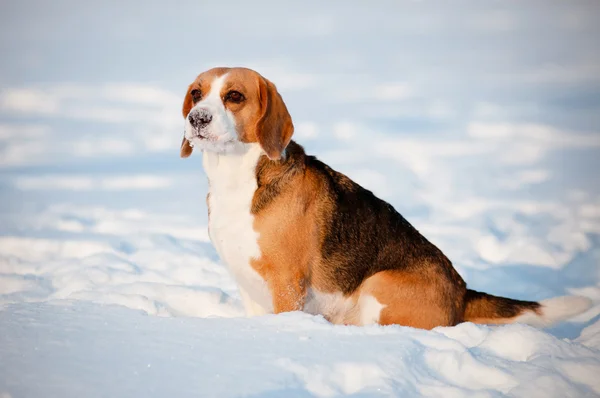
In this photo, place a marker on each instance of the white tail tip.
(555, 310)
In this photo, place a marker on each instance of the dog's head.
(226, 108)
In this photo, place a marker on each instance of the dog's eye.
(196, 95)
(234, 96)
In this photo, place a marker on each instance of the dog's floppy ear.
(188, 103)
(274, 128)
(186, 148)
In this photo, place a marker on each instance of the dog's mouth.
(200, 135)
(205, 137)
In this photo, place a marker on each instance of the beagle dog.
(298, 235)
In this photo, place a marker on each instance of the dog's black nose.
(199, 118)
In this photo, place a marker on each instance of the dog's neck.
(273, 176)
(229, 170)
(250, 172)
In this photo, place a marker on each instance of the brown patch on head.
(202, 84)
(261, 116)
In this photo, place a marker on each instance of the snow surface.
(479, 122)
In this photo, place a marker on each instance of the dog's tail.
(485, 308)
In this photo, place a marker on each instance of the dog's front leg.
(288, 293)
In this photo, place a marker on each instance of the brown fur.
(186, 148)
(293, 212)
(411, 299)
(283, 221)
(319, 229)
(296, 205)
(274, 129)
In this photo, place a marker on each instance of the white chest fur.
(232, 179)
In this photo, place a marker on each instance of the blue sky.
(464, 114)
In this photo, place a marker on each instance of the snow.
(479, 123)
(293, 354)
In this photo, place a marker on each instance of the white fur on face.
(220, 135)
